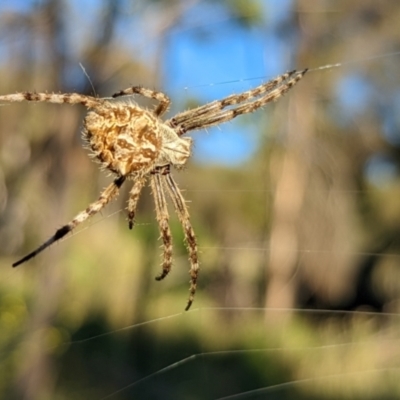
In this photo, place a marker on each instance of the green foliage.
(247, 13)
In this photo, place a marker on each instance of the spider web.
(221, 367)
(238, 351)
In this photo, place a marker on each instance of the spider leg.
(110, 192)
(162, 218)
(162, 98)
(214, 113)
(57, 98)
(190, 237)
(134, 198)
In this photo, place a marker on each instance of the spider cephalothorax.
(135, 143)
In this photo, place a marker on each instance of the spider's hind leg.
(162, 218)
(134, 198)
(110, 192)
(190, 237)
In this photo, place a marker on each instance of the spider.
(134, 143)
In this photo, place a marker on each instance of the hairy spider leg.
(134, 198)
(213, 113)
(190, 237)
(56, 98)
(163, 223)
(110, 192)
(161, 97)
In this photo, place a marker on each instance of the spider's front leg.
(161, 97)
(110, 192)
(220, 111)
(56, 98)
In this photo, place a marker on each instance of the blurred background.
(296, 207)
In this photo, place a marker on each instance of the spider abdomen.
(125, 139)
